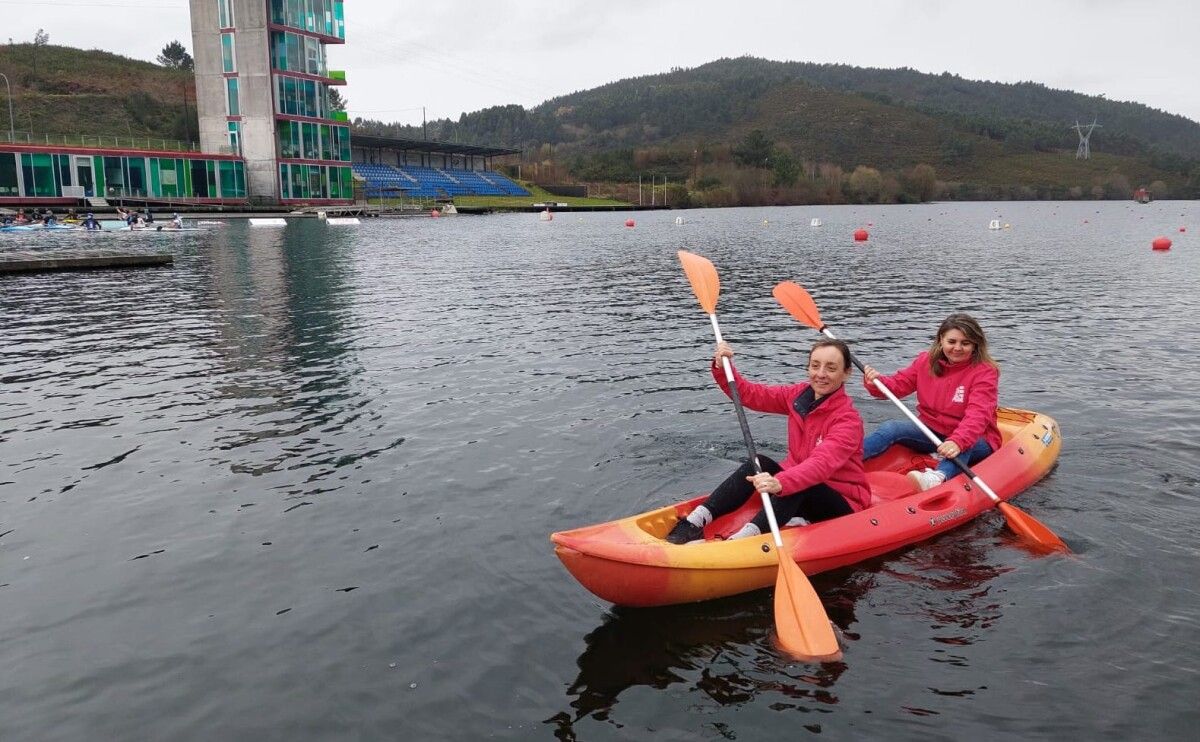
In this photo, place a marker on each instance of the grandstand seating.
(411, 181)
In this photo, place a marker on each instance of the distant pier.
(75, 260)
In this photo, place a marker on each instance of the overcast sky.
(452, 56)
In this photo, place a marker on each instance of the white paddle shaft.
(766, 498)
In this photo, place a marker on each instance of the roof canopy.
(425, 145)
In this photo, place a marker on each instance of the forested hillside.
(810, 122)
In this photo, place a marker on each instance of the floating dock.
(13, 261)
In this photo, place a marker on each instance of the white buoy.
(321, 214)
(815, 222)
(994, 224)
(546, 216)
(679, 220)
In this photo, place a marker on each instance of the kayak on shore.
(628, 561)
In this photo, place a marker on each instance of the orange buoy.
(1160, 243)
(629, 222)
(435, 212)
(860, 235)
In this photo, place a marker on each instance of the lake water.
(299, 485)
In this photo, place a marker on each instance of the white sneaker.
(927, 479)
(797, 521)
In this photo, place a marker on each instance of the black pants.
(817, 503)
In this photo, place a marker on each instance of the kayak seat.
(888, 485)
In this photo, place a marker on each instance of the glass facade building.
(69, 174)
(312, 140)
(263, 90)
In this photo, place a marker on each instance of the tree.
(40, 39)
(754, 150)
(336, 101)
(922, 182)
(866, 183)
(787, 170)
(175, 56)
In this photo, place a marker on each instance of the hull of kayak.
(628, 562)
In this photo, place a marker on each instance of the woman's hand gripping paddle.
(800, 620)
(800, 305)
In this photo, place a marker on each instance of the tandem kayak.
(628, 561)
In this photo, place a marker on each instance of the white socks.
(700, 517)
(747, 531)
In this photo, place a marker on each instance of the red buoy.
(628, 222)
(435, 212)
(1183, 229)
(860, 235)
(1161, 243)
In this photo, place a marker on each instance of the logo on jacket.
(958, 394)
(819, 439)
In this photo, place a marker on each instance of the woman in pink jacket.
(957, 386)
(822, 476)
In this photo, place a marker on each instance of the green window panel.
(64, 171)
(344, 143)
(98, 173)
(228, 60)
(10, 185)
(38, 171)
(156, 188)
(137, 175)
(183, 172)
(231, 95)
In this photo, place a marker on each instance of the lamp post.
(12, 139)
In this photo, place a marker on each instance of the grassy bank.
(537, 196)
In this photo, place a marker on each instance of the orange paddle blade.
(799, 304)
(1030, 528)
(803, 628)
(703, 276)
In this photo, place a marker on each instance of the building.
(262, 92)
(116, 169)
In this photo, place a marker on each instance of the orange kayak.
(628, 562)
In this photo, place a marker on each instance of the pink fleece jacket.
(825, 446)
(960, 404)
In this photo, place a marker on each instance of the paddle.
(800, 621)
(801, 306)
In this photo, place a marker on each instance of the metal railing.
(98, 142)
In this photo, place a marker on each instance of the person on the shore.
(957, 385)
(822, 476)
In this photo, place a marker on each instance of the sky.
(455, 56)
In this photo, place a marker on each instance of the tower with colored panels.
(263, 92)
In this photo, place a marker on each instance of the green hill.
(60, 91)
(983, 139)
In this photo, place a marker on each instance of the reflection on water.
(724, 649)
(703, 647)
